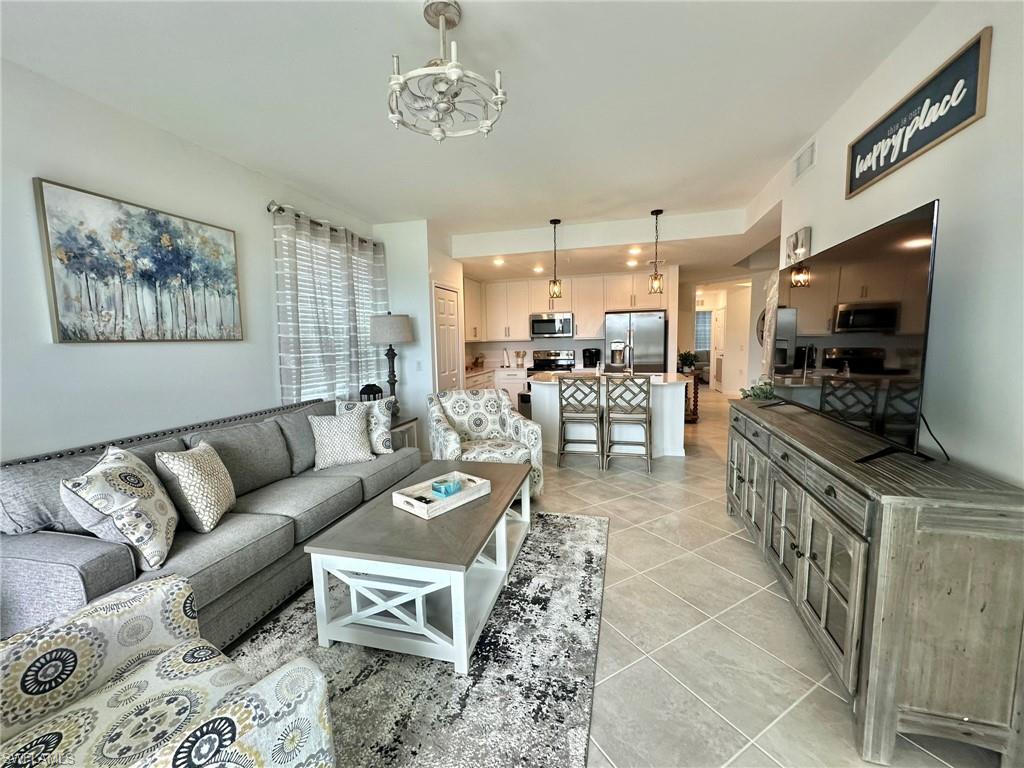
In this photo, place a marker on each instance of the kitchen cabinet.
(629, 291)
(507, 311)
(755, 484)
(875, 280)
(513, 381)
(815, 303)
(540, 302)
(914, 304)
(904, 574)
(472, 294)
(588, 306)
(480, 379)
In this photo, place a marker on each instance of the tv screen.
(852, 327)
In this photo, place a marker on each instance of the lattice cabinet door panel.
(782, 526)
(734, 471)
(830, 587)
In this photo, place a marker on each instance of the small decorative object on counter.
(371, 392)
(423, 499)
(520, 358)
(687, 360)
(763, 390)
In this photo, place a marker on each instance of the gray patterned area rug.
(528, 695)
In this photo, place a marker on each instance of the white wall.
(60, 395)
(406, 246)
(975, 360)
(737, 333)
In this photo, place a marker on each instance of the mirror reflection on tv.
(852, 326)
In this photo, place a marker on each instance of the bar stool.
(579, 402)
(629, 402)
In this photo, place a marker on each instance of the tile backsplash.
(492, 350)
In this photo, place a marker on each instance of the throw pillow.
(341, 439)
(379, 426)
(121, 500)
(199, 483)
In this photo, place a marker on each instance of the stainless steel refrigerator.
(644, 334)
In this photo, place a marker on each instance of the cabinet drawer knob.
(735, 419)
(799, 554)
(830, 492)
(740, 479)
(792, 545)
(814, 556)
(755, 434)
(784, 456)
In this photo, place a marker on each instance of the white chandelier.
(444, 98)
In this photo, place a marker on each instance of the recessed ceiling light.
(917, 242)
(631, 263)
(538, 270)
(498, 262)
(636, 250)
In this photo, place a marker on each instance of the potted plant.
(763, 390)
(687, 360)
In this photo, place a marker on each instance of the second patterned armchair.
(482, 425)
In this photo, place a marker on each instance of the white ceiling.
(699, 259)
(613, 106)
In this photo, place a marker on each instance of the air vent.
(803, 161)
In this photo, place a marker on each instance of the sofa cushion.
(255, 454)
(380, 474)
(299, 435)
(342, 439)
(121, 499)
(220, 560)
(199, 483)
(310, 499)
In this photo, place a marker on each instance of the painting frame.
(983, 40)
(226, 236)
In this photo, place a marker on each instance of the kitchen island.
(668, 412)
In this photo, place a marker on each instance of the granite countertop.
(659, 379)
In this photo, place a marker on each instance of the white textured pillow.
(199, 483)
(341, 439)
(120, 499)
(379, 423)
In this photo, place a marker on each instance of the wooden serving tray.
(473, 487)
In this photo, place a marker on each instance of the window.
(702, 331)
(329, 283)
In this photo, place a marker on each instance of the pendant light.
(800, 277)
(656, 282)
(554, 284)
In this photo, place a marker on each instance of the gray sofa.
(243, 569)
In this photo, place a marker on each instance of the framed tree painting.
(123, 272)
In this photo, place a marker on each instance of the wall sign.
(950, 99)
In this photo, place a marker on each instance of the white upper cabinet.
(496, 311)
(540, 302)
(914, 306)
(588, 306)
(474, 315)
(518, 310)
(618, 292)
(871, 281)
(815, 303)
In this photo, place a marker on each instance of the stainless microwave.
(878, 317)
(551, 325)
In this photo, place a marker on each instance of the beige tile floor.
(701, 662)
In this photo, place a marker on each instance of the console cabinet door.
(782, 526)
(755, 492)
(734, 471)
(830, 587)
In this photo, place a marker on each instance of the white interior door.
(446, 339)
(717, 348)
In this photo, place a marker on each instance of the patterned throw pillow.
(121, 500)
(199, 483)
(380, 413)
(341, 439)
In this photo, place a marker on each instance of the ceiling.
(613, 106)
(698, 259)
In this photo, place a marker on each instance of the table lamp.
(391, 329)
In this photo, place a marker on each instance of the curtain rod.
(275, 207)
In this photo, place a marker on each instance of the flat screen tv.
(852, 328)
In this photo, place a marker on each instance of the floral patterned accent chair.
(128, 681)
(482, 425)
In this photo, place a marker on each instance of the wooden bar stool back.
(579, 402)
(629, 402)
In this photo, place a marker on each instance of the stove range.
(552, 360)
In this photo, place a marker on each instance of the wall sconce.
(800, 277)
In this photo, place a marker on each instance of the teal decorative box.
(446, 486)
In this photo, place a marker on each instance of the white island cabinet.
(668, 411)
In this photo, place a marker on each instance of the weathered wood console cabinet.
(908, 574)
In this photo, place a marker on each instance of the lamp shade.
(390, 329)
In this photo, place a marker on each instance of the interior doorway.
(448, 361)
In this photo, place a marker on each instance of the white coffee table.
(423, 587)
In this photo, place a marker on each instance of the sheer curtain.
(329, 282)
